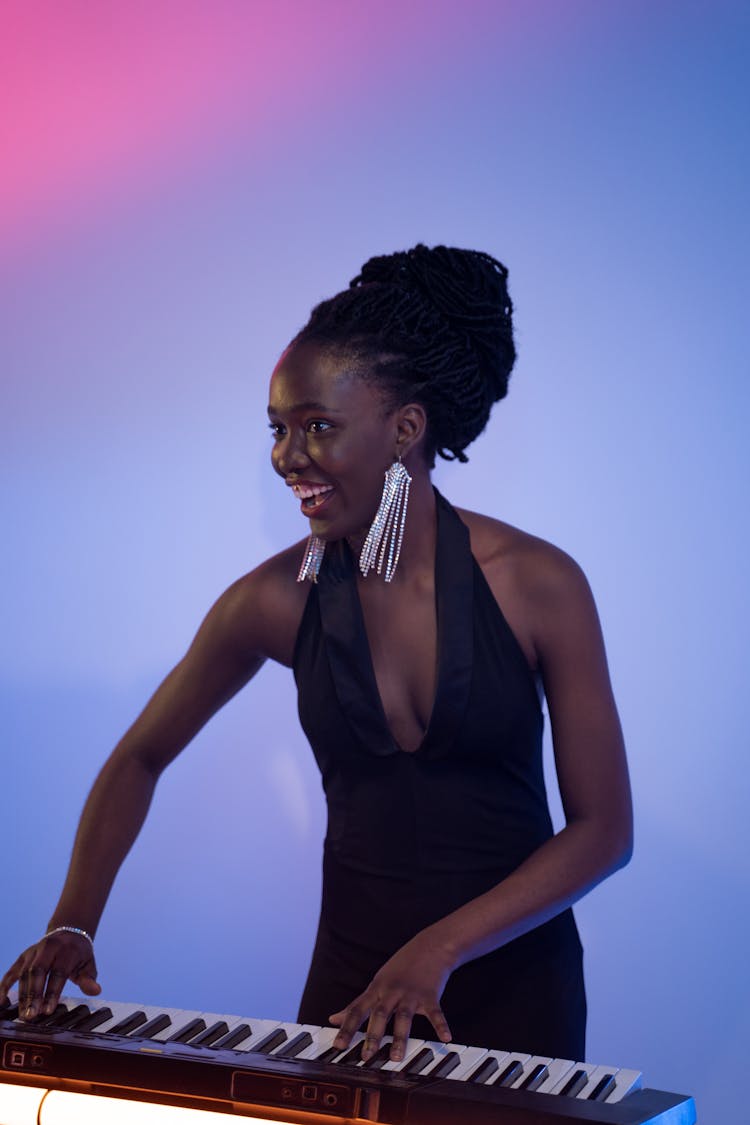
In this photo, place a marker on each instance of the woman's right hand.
(43, 969)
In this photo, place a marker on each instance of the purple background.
(180, 183)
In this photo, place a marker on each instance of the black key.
(186, 1033)
(153, 1027)
(211, 1034)
(62, 1018)
(10, 1013)
(510, 1074)
(446, 1066)
(354, 1055)
(534, 1080)
(603, 1089)
(291, 1049)
(575, 1084)
(49, 1020)
(78, 1016)
(485, 1070)
(235, 1036)
(95, 1019)
(329, 1054)
(380, 1058)
(422, 1059)
(130, 1023)
(270, 1042)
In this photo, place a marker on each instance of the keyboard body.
(289, 1072)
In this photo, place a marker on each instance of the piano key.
(86, 1020)
(532, 1081)
(234, 1037)
(323, 1037)
(63, 1015)
(127, 1024)
(380, 1058)
(572, 1084)
(604, 1087)
(154, 1027)
(260, 1030)
(292, 1047)
(485, 1070)
(511, 1072)
(419, 1062)
(207, 1038)
(49, 1019)
(188, 1031)
(624, 1081)
(411, 1048)
(271, 1041)
(468, 1059)
(353, 1054)
(557, 1069)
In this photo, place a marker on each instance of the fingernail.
(28, 1012)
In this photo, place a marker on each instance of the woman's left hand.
(410, 983)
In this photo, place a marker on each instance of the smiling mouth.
(312, 496)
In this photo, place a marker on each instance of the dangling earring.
(383, 542)
(313, 557)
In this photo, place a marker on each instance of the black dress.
(413, 836)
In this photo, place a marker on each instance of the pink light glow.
(100, 96)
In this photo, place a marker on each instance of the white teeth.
(305, 491)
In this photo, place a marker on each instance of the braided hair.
(432, 326)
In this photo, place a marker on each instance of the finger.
(351, 1021)
(55, 983)
(401, 1029)
(31, 991)
(437, 1018)
(88, 984)
(9, 980)
(375, 1030)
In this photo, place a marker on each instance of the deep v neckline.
(350, 657)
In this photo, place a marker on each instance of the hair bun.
(468, 288)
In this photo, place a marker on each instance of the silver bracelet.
(71, 930)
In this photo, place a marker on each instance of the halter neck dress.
(414, 835)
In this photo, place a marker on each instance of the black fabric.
(413, 836)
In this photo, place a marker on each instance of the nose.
(289, 454)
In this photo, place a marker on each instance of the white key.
(323, 1037)
(410, 1049)
(558, 1069)
(470, 1058)
(260, 1029)
(625, 1081)
(588, 1069)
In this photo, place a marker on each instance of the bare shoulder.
(262, 610)
(538, 586)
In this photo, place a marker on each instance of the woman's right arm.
(249, 622)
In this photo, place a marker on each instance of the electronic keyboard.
(237, 1064)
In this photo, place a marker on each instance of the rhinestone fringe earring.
(313, 557)
(383, 542)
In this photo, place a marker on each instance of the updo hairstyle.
(432, 326)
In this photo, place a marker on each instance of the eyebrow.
(310, 404)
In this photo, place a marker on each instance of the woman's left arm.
(595, 791)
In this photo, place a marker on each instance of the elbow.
(619, 847)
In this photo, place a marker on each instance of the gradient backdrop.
(179, 183)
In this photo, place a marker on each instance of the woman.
(420, 650)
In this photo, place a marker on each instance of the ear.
(411, 428)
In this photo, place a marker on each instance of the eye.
(318, 426)
(277, 430)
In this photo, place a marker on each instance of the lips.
(312, 496)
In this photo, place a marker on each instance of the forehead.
(310, 377)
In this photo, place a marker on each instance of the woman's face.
(333, 438)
